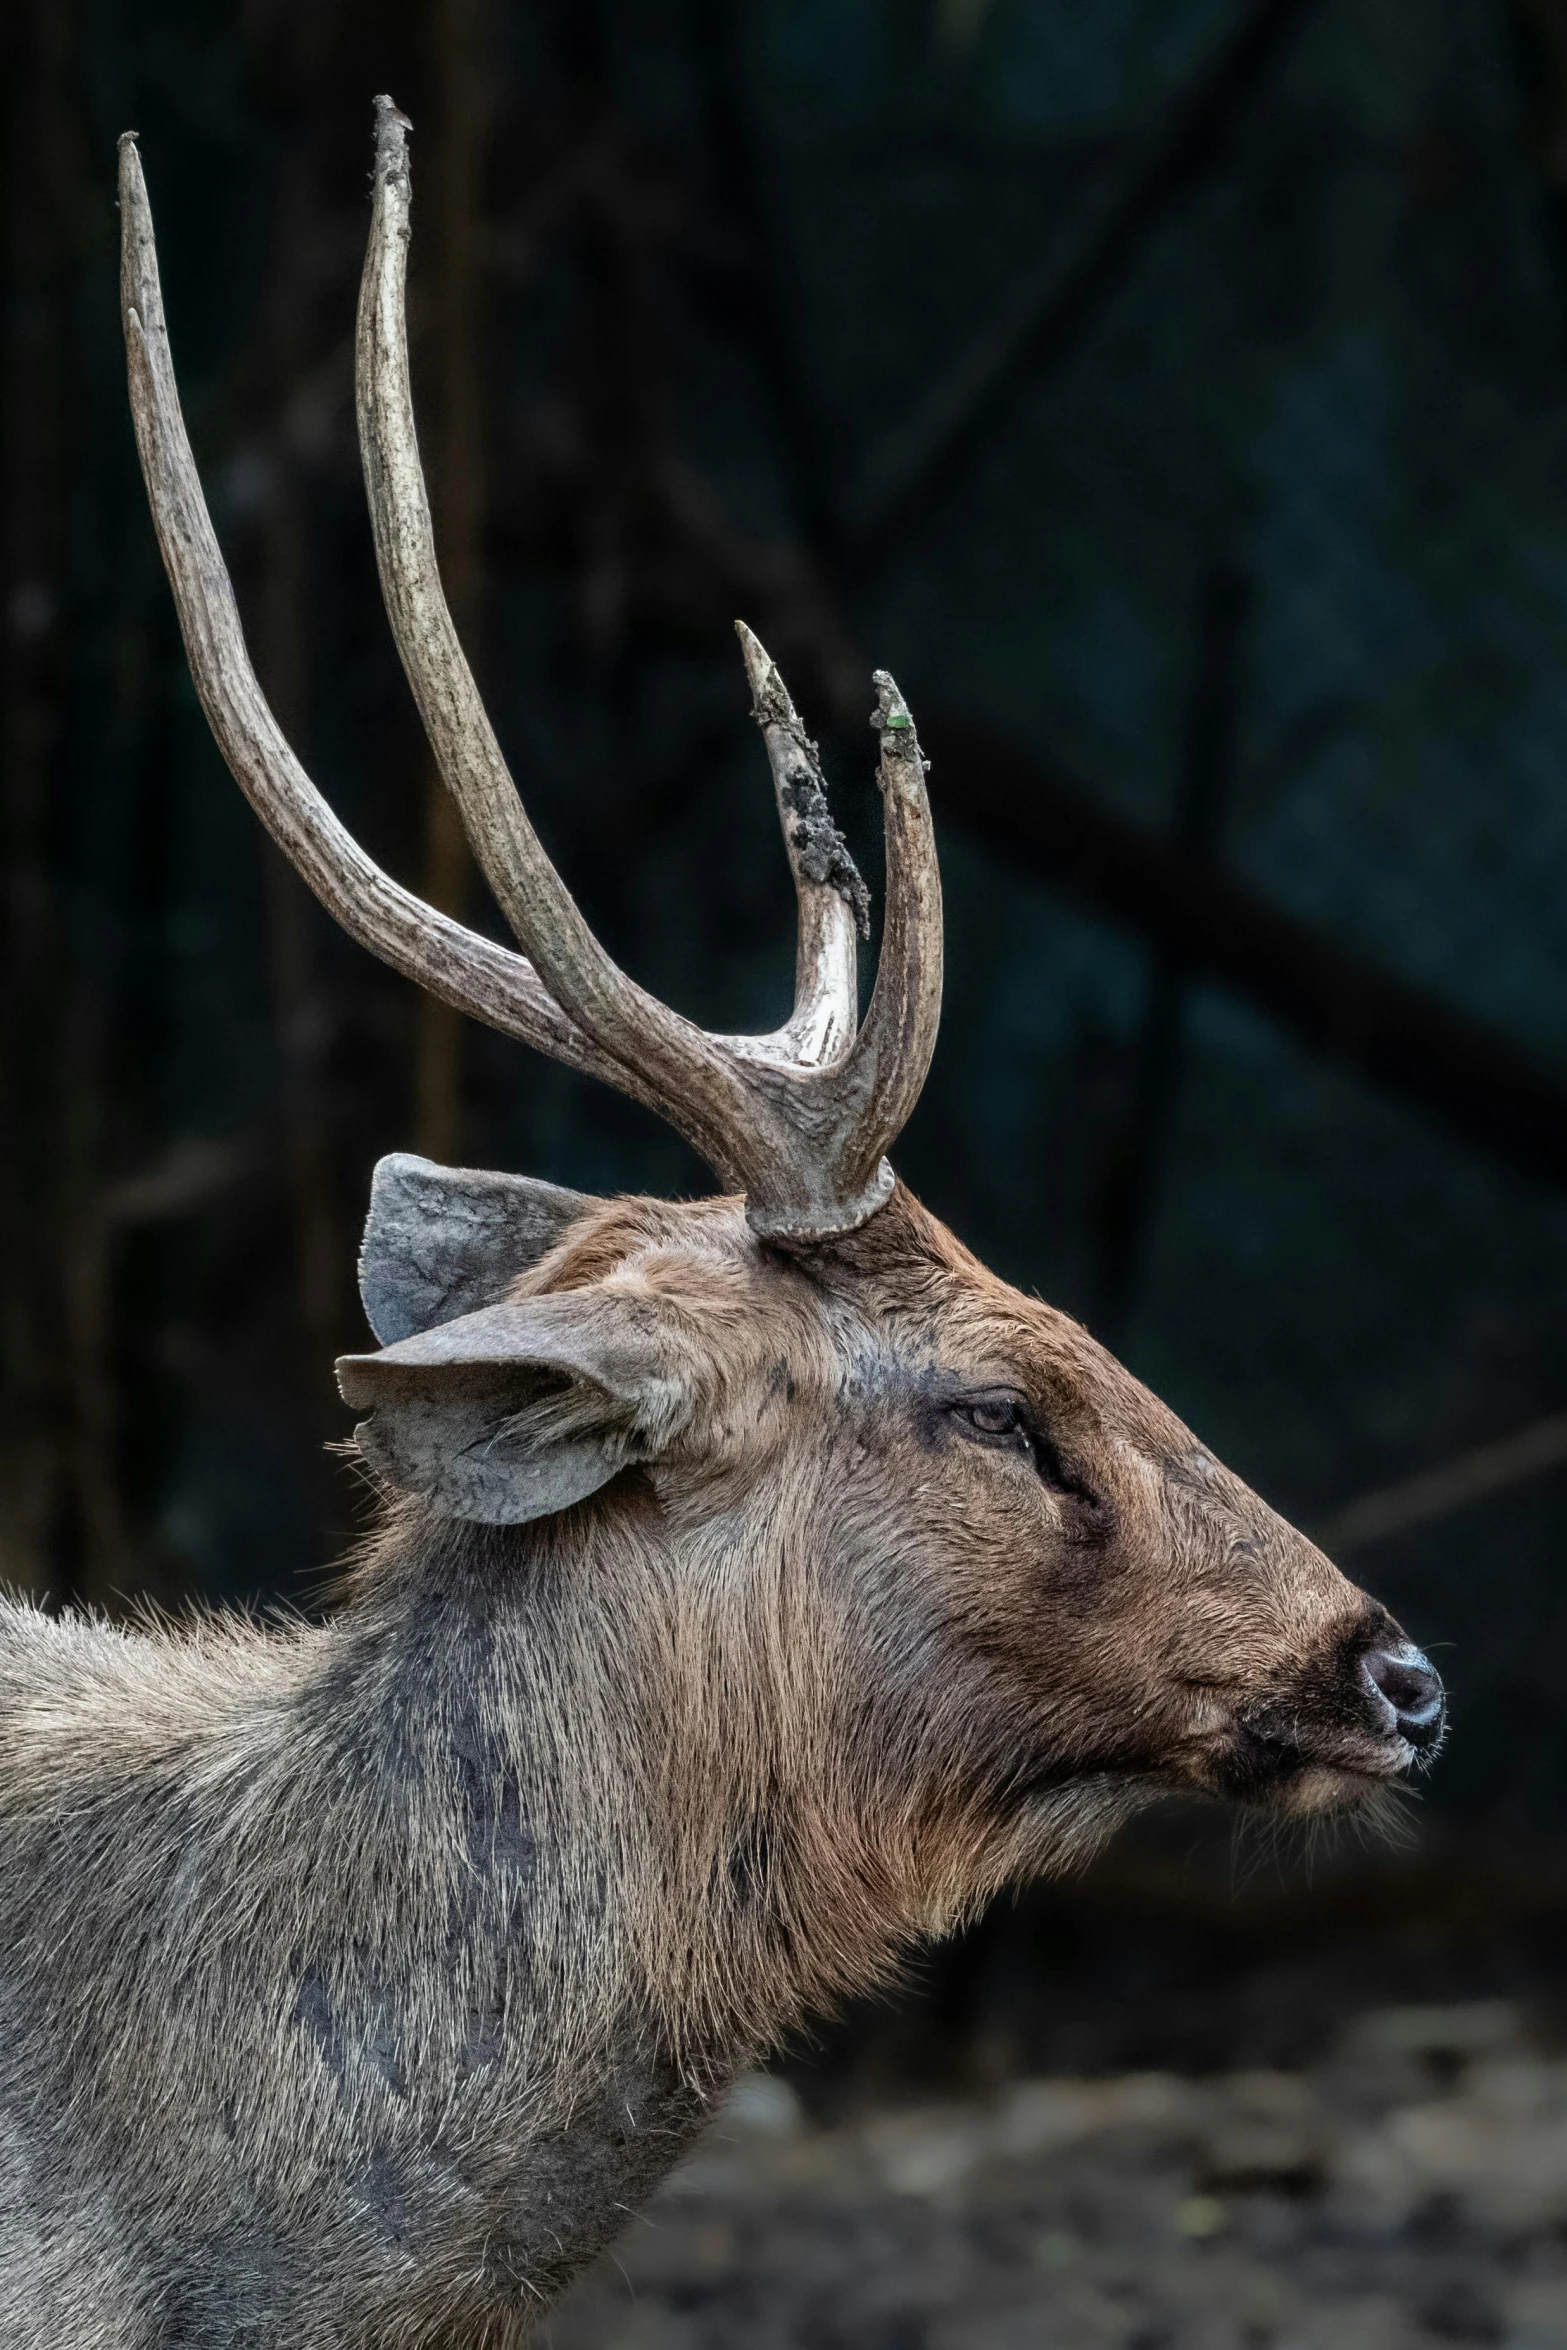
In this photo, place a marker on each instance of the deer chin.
(1301, 1774)
(1321, 1788)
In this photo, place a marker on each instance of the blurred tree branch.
(1126, 1202)
(1471, 1077)
(286, 639)
(1450, 1485)
(1056, 306)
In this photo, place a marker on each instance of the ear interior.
(440, 1242)
(498, 1448)
(515, 1411)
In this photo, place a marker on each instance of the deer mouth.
(1296, 1771)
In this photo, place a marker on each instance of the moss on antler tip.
(892, 711)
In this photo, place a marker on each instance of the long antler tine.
(628, 1024)
(833, 901)
(455, 964)
(799, 1119)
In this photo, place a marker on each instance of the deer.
(757, 1585)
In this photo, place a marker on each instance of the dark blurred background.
(1175, 397)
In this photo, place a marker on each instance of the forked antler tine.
(837, 1123)
(629, 1025)
(455, 964)
(833, 901)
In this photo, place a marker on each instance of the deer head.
(923, 1527)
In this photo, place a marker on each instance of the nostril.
(1412, 1689)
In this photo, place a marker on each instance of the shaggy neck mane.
(665, 1765)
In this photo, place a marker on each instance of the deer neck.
(651, 1765)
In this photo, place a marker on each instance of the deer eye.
(1006, 1422)
(1002, 1420)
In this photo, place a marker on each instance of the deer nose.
(1409, 1688)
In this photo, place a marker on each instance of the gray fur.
(282, 1982)
(440, 1241)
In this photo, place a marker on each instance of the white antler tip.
(761, 672)
(392, 127)
(132, 187)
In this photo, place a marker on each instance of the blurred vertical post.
(62, 1519)
(29, 516)
(455, 277)
(286, 638)
(1208, 755)
(1540, 59)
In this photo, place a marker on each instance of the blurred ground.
(1408, 2188)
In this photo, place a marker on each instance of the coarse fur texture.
(357, 1979)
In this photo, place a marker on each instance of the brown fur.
(354, 1978)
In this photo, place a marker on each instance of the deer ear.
(440, 1241)
(517, 1411)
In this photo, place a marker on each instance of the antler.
(800, 1119)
